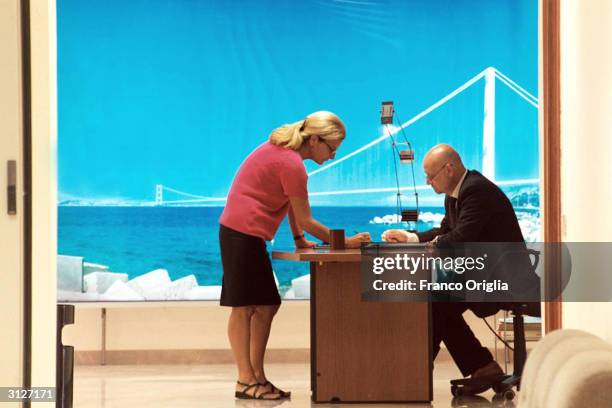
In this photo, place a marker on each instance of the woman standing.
(270, 184)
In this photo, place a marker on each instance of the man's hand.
(433, 242)
(356, 240)
(397, 235)
(304, 243)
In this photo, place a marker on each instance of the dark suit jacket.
(484, 214)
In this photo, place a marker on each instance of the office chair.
(502, 384)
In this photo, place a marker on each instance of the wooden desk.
(362, 351)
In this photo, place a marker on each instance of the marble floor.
(212, 386)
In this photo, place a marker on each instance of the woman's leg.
(261, 322)
(239, 333)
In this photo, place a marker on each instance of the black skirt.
(247, 270)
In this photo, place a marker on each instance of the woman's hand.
(304, 243)
(356, 240)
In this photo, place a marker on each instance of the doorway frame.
(551, 138)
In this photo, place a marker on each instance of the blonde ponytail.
(290, 136)
(325, 125)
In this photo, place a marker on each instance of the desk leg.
(313, 342)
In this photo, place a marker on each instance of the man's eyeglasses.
(429, 178)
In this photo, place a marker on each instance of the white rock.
(175, 290)
(180, 287)
(89, 267)
(387, 219)
(301, 287)
(150, 283)
(120, 291)
(99, 282)
(396, 219)
(70, 273)
(204, 293)
(431, 217)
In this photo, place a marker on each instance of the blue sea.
(184, 240)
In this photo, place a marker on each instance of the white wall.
(44, 191)
(586, 134)
(194, 326)
(44, 229)
(11, 265)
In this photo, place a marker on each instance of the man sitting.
(476, 210)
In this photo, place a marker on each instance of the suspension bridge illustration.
(489, 75)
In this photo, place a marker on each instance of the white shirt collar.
(455, 193)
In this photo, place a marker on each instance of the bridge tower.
(488, 127)
(159, 194)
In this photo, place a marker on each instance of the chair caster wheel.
(498, 389)
(509, 395)
(456, 391)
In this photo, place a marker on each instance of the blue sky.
(179, 92)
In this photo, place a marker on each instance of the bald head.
(443, 167)
(442, 153)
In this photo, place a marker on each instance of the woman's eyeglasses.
(332, 150)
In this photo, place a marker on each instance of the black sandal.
(243, 394)
(276, 390)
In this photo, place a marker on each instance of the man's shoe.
(490, 370)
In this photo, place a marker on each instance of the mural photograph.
(159, 104)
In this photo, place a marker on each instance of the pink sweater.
(259, 197)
